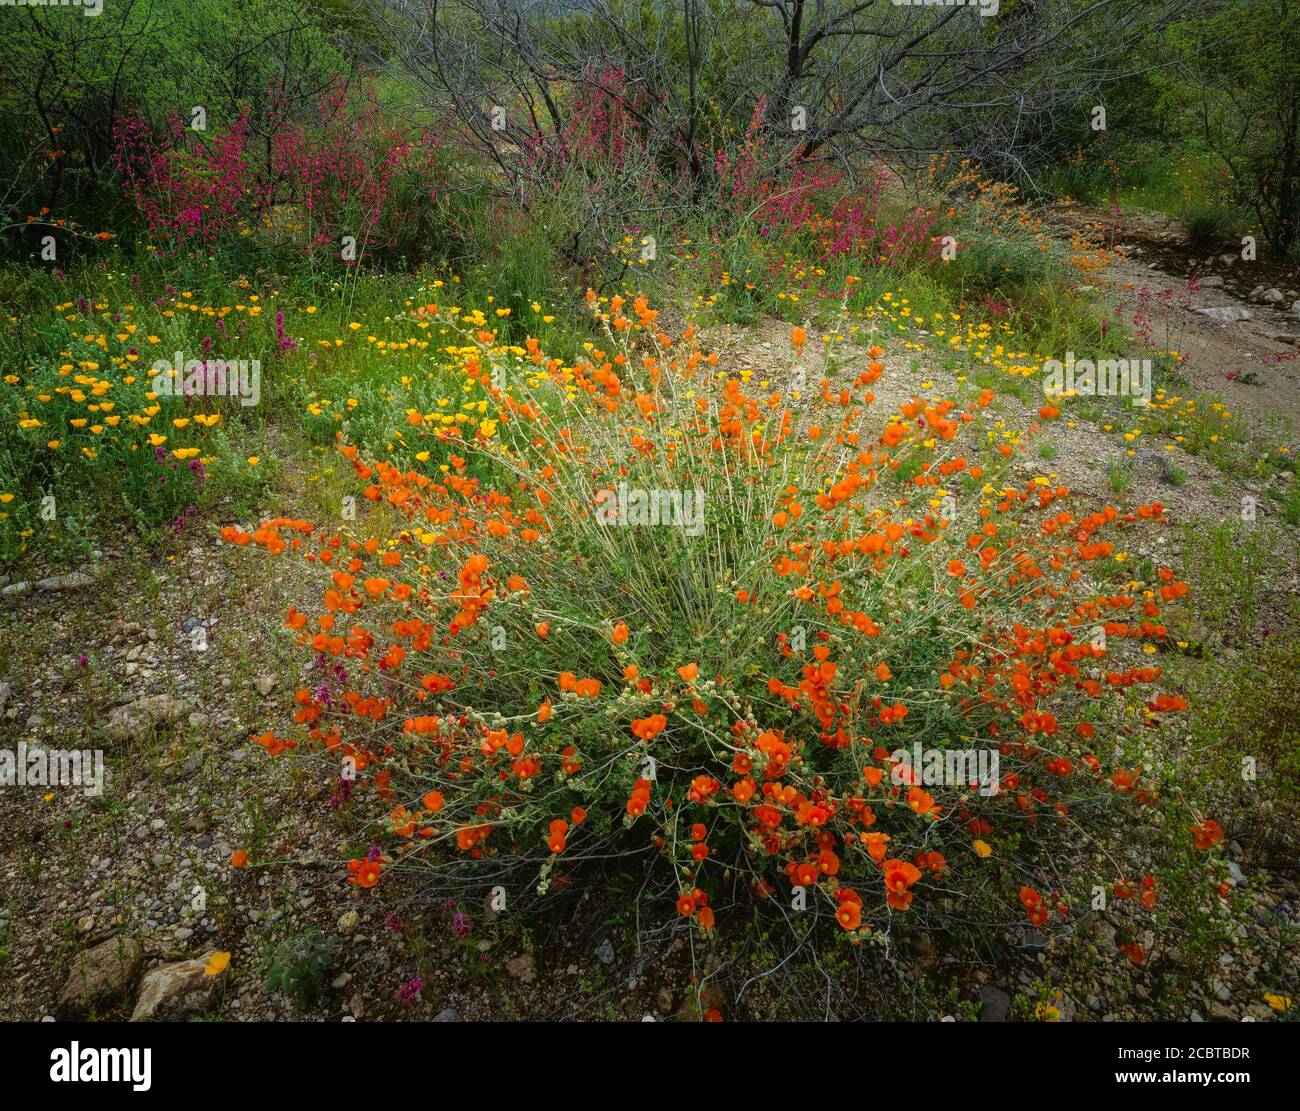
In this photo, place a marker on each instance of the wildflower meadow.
(728, 512)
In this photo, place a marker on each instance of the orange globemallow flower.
(920, 801)
(1149, 897)
(876, 843)
(899, 876)
(640, 798)
(364, 873)
(239, 858)
(1207, 834)
(1134, 952)
(689, 671)
(619, 635)
(649, 727)
(805, 875)
(556, 841)
(849, 915)
(1035, 908)
(798, 336)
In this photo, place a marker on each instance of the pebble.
(73, 581)
(995, 1004)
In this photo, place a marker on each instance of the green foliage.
(1245, 61)
(997, 261)
(300, 965)
(1244, 745)
(1226, 564)
(69, 79)
(1206, 226)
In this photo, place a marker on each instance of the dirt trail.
(1252, 363)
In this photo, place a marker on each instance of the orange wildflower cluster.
(750, 683)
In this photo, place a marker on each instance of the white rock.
(176, 991)
(1226, 314)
